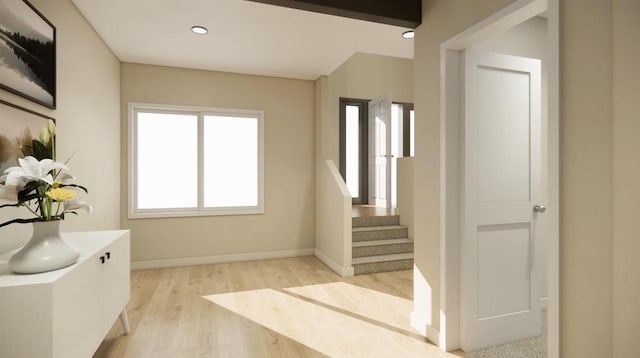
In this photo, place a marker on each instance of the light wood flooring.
(292, 307)
(370, 210)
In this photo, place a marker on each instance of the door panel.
(501, 289)
(499, 284)
(503, 175)
(380, 151)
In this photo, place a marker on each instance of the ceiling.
(244, 36)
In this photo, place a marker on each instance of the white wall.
(333, 225)
(88, 120)
(287, 225)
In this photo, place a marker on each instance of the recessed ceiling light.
(408, 34)
(200, 30)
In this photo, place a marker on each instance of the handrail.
(335, 173)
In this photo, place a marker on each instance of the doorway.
(356, 147)
(455, 207)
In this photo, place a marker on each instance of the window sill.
(152, 214)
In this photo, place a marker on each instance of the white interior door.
(499, 283)
(380, 152)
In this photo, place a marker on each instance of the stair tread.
(378, 228)
(376, 216)
(381, 242)
(381, 258)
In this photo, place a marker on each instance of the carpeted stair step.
(370, 233)
(383, 263)
(365, 221)
(382, 247)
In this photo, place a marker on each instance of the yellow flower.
(56, 184)
(61, 194)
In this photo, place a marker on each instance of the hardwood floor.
(264, 309)
(370, 210)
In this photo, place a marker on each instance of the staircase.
(380, 244)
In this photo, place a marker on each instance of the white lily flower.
(65, 177)
(31, 169)
(75, 204)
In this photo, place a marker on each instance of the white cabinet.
(66, 313)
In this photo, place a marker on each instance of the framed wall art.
(18, 128)
(27, 52)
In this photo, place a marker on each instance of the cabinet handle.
(102, 259)
(108, 255)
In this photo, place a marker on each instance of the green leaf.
(40, 151)
(20, 221)
(25, 194)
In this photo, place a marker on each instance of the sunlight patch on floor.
(323, 329)
(378, 306)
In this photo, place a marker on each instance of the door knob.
(539, 209)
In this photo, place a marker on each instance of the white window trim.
(200, 210)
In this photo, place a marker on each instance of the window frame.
(406, 127)
(363, 105)
(136, 213)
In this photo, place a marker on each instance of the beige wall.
(441, 20)
(529, 39)
(333, 220)
(405, 192)
(599, 172)
(363, 76)
(88, 119)
(586, 178)
(288, 221)
(626, 177)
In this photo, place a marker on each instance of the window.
(353, 147)
(404, 113)
(186, 161)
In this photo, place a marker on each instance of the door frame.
(452, 146)
(363, 170)
(406, 127)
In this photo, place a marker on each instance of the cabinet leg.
(124, 320)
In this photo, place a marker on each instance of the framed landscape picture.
(27, 52)
(18, 127)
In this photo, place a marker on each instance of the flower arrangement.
(40, 184)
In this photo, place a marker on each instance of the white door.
(380, 152)
(499, 296)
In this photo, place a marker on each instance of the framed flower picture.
(28, 52)
(18, 128)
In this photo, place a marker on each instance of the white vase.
(46, 251)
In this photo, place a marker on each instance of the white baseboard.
(203, 260)
(427, 330)
(340, 270)
(418, 324)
